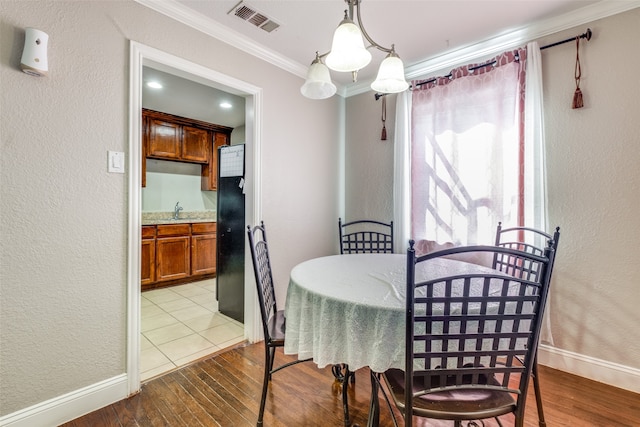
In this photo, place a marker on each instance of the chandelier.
(348, 54)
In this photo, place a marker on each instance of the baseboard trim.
(69, 406)
(610, 373)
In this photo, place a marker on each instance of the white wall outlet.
(116, 161)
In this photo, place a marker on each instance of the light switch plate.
(116, 161)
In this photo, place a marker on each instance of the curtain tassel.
(577, 95)
(383, 136)
(577, 99)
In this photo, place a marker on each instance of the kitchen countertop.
(161, 218)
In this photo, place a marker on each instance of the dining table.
(350, 309)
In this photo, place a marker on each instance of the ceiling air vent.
(248, 13)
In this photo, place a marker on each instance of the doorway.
(182, 323)
(141, 57)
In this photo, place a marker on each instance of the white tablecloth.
(351, 308)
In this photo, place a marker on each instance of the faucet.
(176, 210)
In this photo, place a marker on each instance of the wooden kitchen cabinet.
(148, 256)
(177, 253)
(174, 138)
(164, 139)
(203, 248)
(173, 257)
(210, 171)
(196, 144)
(172, 141)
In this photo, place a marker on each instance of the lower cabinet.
(148, 255)
(176, 253)
(203, 248)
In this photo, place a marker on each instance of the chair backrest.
(473, 331)
(264, 277)
(524, 239)
(365, 236)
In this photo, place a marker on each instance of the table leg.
(345, 397)
(343, 377)
(374, 405)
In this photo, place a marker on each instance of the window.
(467, 152)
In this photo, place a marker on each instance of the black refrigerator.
(230, 232)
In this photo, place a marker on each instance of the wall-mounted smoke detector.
(249, 13)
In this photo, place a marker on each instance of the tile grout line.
(186, 359)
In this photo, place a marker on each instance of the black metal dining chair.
(360, 237)
(525, 239)
(365, 236)
(273, 321)
(471, 339)
(533, 241)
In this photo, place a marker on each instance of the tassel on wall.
(577, 95)
(383, 136)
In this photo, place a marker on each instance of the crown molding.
(175, 10)
(438, 63)
(501, 42)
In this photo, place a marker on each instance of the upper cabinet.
(196, 144)
(210, 171)
(165, 139)
(180, 139)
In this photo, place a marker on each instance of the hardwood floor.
(224, 390)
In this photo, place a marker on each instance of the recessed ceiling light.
(154, 85)
(225, 104)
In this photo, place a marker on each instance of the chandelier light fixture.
(349, 54)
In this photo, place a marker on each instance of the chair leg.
(269, 356)
(536, 387)
(272, 358)
(376, 388)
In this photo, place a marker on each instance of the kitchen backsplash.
(171, 182)
(165, 217)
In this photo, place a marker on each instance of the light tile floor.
(180, 324)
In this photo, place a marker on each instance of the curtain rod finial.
(588, 34)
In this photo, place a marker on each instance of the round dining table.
(351, 308)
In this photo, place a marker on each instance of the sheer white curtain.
(535, 189)
(402, 173)
(535, 172)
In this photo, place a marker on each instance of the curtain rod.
(586, 35)
(488, 64)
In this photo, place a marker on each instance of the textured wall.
(593, 155)
(368, 159)
(64, 218)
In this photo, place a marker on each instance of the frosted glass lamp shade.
(390, 77)
(318, 84)
(347, 50)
